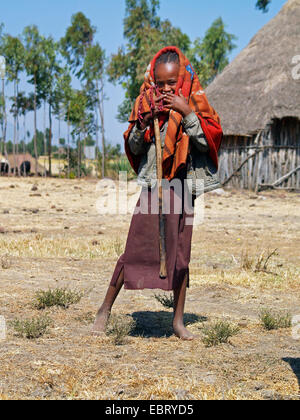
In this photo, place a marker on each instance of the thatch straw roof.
(258, 85)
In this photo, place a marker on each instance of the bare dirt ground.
(54, 237)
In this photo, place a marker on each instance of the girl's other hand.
(147, 118)
(141, 125)
(177, 103)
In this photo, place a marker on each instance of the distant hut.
(4, 165)
(24, 164)
(258, 99)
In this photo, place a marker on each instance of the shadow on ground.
(295, 365)
(159, 324)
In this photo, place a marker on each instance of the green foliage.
(14, 53)
(93, 66)
(56, 297)
(209, 56)
(78, 38)
(218, 333)
(73, 166)
(145, 33)
(32, 328)
(166, 301)
(263, 5)
(87, 61)
(34, 60)
(78, 116)
(89, 141)
(113, 168)
(119, 327)
(273, 320)
(29, 147)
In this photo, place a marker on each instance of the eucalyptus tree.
(25, 105)
(78, 38)
(14, 53)
(92, 72)
(35, 68)
(47, 78)
(82, 120)
(209, 55)
(63, 94)
(3, 117)
(78, 48)
(2, 121)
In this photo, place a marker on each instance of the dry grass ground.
(54, 237)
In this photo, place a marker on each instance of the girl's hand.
(147, 118)
(177, 103)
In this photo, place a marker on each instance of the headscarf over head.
(176, 147)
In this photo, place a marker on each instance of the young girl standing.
(190, 132)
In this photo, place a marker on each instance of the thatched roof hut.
(259, 91)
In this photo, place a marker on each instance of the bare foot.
(100, 323)
(182, 333)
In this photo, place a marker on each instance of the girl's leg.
(179, 301)
(105, 309)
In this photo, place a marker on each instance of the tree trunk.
(35, 133)
(2, 121)
(18, 127)
(15, 130)
(24, 139)
(68, 122)
(97, 141)
(101, 113)
(45, 135)
(58, 142)
(78, 156)
(50, 139)
(5, 120)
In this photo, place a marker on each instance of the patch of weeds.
(273, 320)
(86, 318)
(56, 297)
(31, 328)
(165, 300)
(119, 327)
(246, 261)
(218, 333)
(258, 264)
(118, 247)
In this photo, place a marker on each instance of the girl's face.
(166, 77)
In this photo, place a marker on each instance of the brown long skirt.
(141, 257)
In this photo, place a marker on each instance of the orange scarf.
(176, 146)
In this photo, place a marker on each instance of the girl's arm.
(192, 127)
(190, 121)
(136, 141)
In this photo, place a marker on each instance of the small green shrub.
(32, 328)
(120, 165)
(218, 333)
(119, 327)
(273, 320)
(165, 300)
(56, 297)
